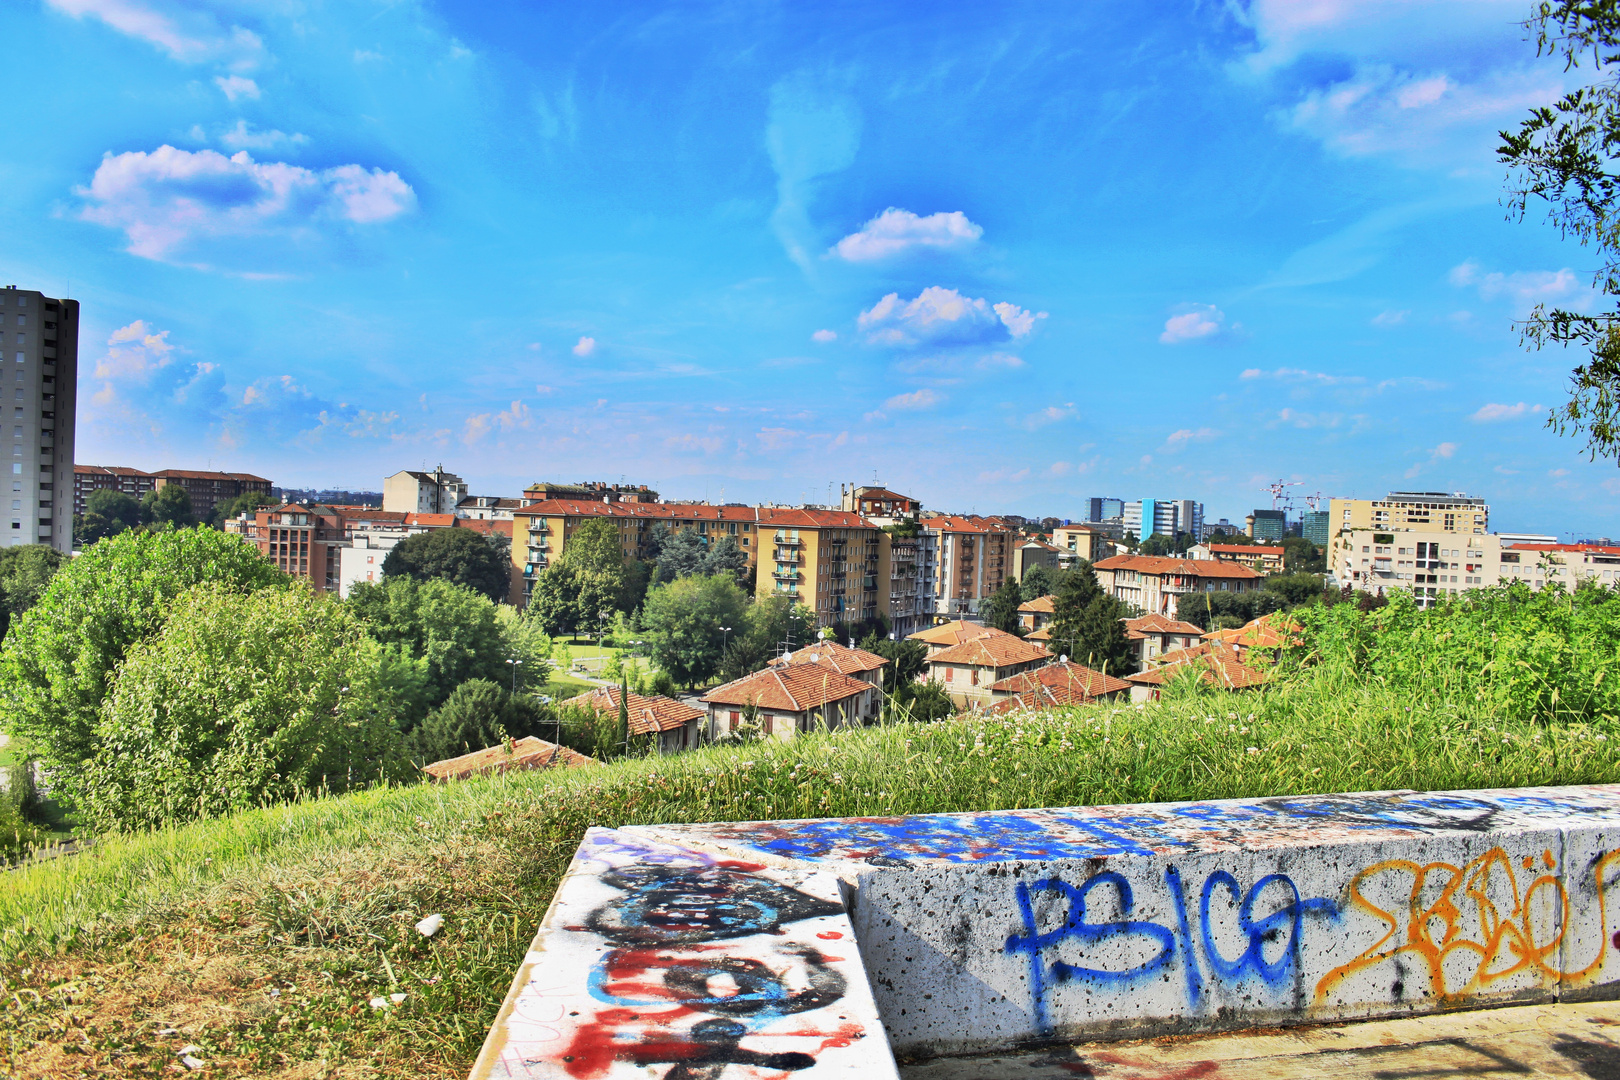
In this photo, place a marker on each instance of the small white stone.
(378, 1003)
(191, 1063)
(189, 1048)
(397, 998)
(430, 925)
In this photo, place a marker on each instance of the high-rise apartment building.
(1314, 527)
(411, 492)
(1422, 511)
(1104, 509)
(1267, 524)
(1167, 517)
(39, 346)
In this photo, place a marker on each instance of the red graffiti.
(829, 935)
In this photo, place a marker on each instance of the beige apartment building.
(1432, 565)
(1427, 511)
(39, 362)
(975, 556)
(1076, 542)
(1155, 585)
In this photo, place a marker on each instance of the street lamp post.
(515, 665)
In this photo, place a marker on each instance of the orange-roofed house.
(968, 671)
(1035, 614)
(510, 756)
(1151, 635)
(1055, 684)
(678, 726)
(1154, 585)
(791, 698)
(948, 634)
(1217, 664)
(856, 663)
(1274, 631)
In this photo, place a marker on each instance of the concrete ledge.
(678, 948)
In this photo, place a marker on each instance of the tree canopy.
(238, 700)
(1087, 624)
(58, 660)
(1564, 156)
(107, 513)
(1001, 607)
(459, 556)
(167, 505)
(247, 502)
(682, 620)
(478, 714)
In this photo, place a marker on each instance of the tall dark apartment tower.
(39, 351)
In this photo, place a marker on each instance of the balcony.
(780, 539)
(786, 575)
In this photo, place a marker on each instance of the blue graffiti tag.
(1259, 933)
(1075, 927)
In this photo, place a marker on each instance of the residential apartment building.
(487, 508)
(1032, 553)
(305, 541)
(39, 365)
(876, 502)
(208, 489)
(1076, 542)
(590, 491)
(1434, 564)
(1267, 560)
(1315, 526)
(905, 585)
(1424, 511)
(1154, 586)
(975, 556)
(89, 479)
(1104, 509)
(835, 561)
(436, 492)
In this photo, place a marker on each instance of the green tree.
(1038, 582)
(921, 702)
(554, 603)
(59, 660)
(767, 623)
(107, 513)
(1299, 554)
(458, 556)
(1087, 625)
(682, 620)
(25, 571)
(522, 638)
(478, 714)
(1564, 155)
(449, 631)
(1296, 588)
(1001, 608)
(168, 505)
(907, 660)
(246, 503)
(239, 700)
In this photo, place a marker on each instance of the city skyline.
(1000, 261)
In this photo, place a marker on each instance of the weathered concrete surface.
(1561, 1041)
(979, 932)
(660, 961)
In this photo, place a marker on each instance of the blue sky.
(999, 257)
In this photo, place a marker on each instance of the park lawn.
(192, 928)
(560, 687)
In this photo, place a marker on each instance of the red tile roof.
(1246, 549)
(647, 714)
(1070, 677)
(773, 517)
(1042, 604)
(432, 521)
(1137, 629)
(951, 633)
(1156, 565)
(840, 658)
(529, 753)
(487, 527)
(794, 688)
(993, 649)
(1267, 632)
(1219, 663)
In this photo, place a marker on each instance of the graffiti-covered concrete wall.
(982, 931)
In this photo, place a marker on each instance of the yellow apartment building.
(833, 561)
(1422, 511)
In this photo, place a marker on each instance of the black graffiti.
(706, 1051)
(669, 905)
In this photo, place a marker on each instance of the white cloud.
(170, 203)
(1492, 413)
(813, 128)
(237, 86)
(898, 232)
(1390, 318)
(135, 351)
(245, 137)
(1295, 418)
(585, 347)
(1523, 288)
(941, 316)
(1444, 450)
(1402, 30)
(917, 399)
(1049, 415)
(509, 419)
(1200, 322)
(822, 337)
(1180, 440)
(1302, 375)
(999, 360)
(189, 36)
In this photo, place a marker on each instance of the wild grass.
(262, 937)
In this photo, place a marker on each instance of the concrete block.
(659, 961)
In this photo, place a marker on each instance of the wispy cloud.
(917, 399)
(189, 36)
(1523, 288)
(823, 337)
(897, 232)
(585, 346)
(481, 425)
(1180, 440)
(813, 129)
(235, 87)
(1052, 414)
(1197, 322)
(245, 137)
(1492, 413)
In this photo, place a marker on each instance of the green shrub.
(478, 714)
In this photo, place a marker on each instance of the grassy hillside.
(261, 938)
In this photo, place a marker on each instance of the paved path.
(1527, 1041)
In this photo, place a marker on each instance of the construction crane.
(1279, 492)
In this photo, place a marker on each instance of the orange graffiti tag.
(1507, 936)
